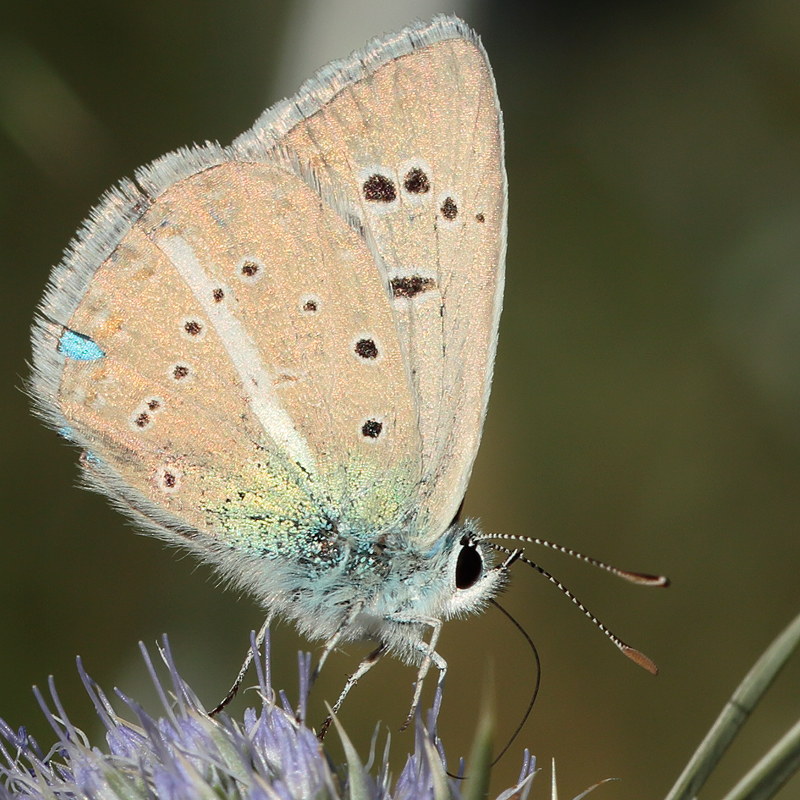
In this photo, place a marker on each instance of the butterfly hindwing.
(241, 389)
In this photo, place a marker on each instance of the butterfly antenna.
(634, 655)
(640, 578)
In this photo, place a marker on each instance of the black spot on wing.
(411, 285)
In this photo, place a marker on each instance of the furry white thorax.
(393, 600)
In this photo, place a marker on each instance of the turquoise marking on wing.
(91, 458)
(78, 347)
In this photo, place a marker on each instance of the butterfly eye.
(469, 567)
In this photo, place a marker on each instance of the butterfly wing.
(409, 135)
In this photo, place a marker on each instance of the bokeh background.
(646, 404)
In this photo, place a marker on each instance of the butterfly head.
(473, 577)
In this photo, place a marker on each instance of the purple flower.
(187, 755)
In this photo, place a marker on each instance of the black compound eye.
(469, 567)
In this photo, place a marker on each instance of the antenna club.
(640, 658)
(643, 579)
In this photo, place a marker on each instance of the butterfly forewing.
(414, 150)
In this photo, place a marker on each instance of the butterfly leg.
(430, 656)
(330, 645)
(363, 668)
(243, 670)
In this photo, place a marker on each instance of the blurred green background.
(646, 403)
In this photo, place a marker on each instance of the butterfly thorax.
(382, 587)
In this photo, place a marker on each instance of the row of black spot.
(364, 348)
(145, 416)
(194, 328)
(381, 189)
(368, 350)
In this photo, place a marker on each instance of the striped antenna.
(634, 655)
(640, 578)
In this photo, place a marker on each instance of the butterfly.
(278, 354)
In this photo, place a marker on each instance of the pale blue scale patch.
(78, 347)
(88, 457)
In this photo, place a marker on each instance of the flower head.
(187, 755)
